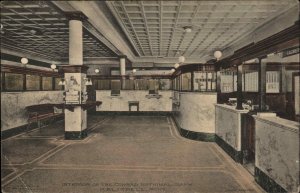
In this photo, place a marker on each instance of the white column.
(122, 66)
(75, 43)
(75, 121)
(123, 70)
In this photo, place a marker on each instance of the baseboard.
(133, 113)
(268, 184)
(233, 153)
(197, 136)
(22, 129)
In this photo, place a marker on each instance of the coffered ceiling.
(40, 28)
(156, 28)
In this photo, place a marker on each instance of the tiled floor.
(120, 154)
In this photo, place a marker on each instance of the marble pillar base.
(75, 135)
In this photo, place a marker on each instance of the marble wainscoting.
(146, 104)
(229, 130)
(194, 114)
(13, 112)
(277, 154)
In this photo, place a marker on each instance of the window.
(47, 83)
(32, 82)
(153, 86)
(128, 84)
(164, 84)
(13, 82)
(272, 82)
(56, 86)
(115, 87)
(102, 84)
(205, 81)
(186, 82)
(251, 81)
(141, 84)
(227, 78)
(177, 83)
(199, 81)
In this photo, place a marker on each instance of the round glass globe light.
(172, 70)
(97, 70)
(218, 54)
(24, 60)
(53, 66)
(134, 70)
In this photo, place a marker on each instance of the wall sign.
(290, 51)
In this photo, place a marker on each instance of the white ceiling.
(155, 28)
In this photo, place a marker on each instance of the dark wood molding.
(2, 81)
(262, 85)
(119, 77)
(73, 69)
(239, 105)
(23, 70)
(284, 39)
(24, 82)
(76, 15)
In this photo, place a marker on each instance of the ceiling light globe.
(97, 70)
(181, 59)
(53, 66)
(134, 70)
(218, 54)
(172, 70)
(33, 31)
(24, 60)
(176, 65)
(188, 30)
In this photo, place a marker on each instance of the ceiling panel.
(39, 27)
(156, 27)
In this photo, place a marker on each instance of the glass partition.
(250, 81)
(165, 84)
(13, 82)
(32, 82)
(47, 83)
(56, 84)
(141, 84)
(128, 84)
(102, 84)
(272, 82)
(227, 81)
(186, 82)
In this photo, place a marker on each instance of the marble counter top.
(199, 93)
(231, 108)
(280, 122)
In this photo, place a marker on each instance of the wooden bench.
(41, 112)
